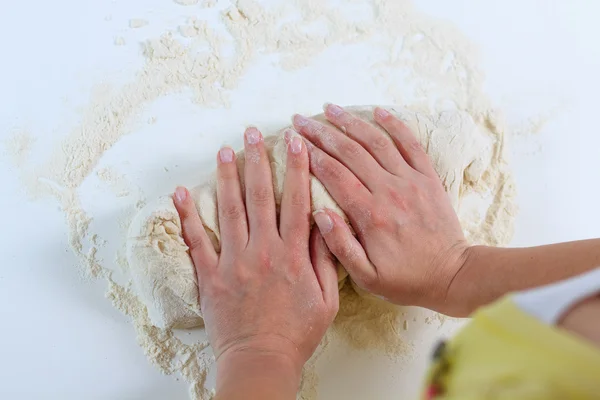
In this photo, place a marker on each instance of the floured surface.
(416, 61)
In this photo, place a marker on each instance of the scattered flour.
(442, 73)
(117, 183)
(119, 41)
(193, 29)
(19, 146)
(137, 23)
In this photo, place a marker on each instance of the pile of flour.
(439, 72)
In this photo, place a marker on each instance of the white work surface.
(61, 339)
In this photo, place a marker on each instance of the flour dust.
(419, 62)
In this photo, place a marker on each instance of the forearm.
(257, 376)
(488, 272)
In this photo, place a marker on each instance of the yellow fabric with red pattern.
(506, 354)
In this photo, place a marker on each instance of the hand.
(410, 244)
(272, 292)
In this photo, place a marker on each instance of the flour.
(19, 146)
(137, 23)
(116, 182)
(440, 72)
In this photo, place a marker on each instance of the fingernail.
(381, 113)
(296, 145)
(287, 135)
(253, 136)
(300, 120)
(226, 155)
(323, 221)
(180, 194)
(334, 110)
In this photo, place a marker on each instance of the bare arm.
(257, 376)
(490, 272)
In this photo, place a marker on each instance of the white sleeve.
(548, 303)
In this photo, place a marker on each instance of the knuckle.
(195, 243)
(366, 279)
(316, 128)
(213, 289)
(350, 149)
(398, 199)
(228, 174)
(418, 191)
(350, 122)
(242, 274)
(254, 154)
(264, 258)
(298, 199)
(330, 170)
(260, 196)
(344, 249)
(379, 219)
(233, 212)
(297, 233)
(297, 162)
(183, 211)
(414, 146)
(295, 267)
(398, 126)
(380, 143)
(414, 187)
(334, 174)
(369, 283)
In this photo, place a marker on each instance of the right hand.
(410, 243)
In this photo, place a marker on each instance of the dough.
(161, 268)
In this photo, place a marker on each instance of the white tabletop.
(62, 339)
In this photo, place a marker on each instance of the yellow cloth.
(504, 353)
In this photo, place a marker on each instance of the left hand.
(269, 296)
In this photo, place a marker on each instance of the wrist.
(250, 373)
(454, 301)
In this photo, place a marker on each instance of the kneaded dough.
(161, 268)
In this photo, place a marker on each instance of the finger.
(295, 204)
(407, 143)
(349, 153)
(381, 147)
(346, 248)
(200, 247)
(230, 203)
(260, 199)
(325, 267)
(345, 188)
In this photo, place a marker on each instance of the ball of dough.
(161, 268)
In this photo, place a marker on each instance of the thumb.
(201, 250)
(325, 267)
(346, 248)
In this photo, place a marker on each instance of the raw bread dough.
(161, 267)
